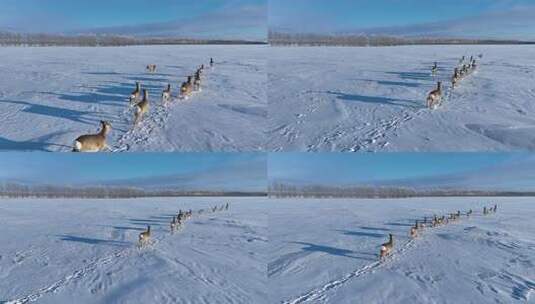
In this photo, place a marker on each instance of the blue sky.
(458, 18)
(208, 171)
(497, 171)
(241, 19)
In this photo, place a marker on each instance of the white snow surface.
(51, 95)
(373, 99)
(326, 251)
(85, 251)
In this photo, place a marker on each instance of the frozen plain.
(51, 95)
(373, 99)
(326, 251)
(85, 251)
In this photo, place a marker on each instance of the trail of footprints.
(142, 106)
(376, 137)
(388, 252)
(145, 241)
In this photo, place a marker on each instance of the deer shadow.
(377, 100)
(412, 75)
(373, 228)
(92, 241)
(39, 144)
(128, 228)
(399, 224)
(103, 73)
(73, 115)
(147, 222)
(362, 233)
(329, 250)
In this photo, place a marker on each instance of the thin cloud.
(515, 175)
(516, 23)
(243, 22)
(239, 175)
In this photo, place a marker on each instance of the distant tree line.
(283, 190)
(15, 190)
(306, 39)
(27, 39)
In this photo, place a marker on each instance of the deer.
(434, 69)
(434, 97)
(144, 237)
(136, 94)
(142, 107)
(186, 88)
(434, 222)
(93, 142)
(386, 248)
(417, 225)
(197, 82)
(413, 232)
(464, 71)
(172, 225)
(166, 94)
(474, 64)
(455, 78)
(151, 68)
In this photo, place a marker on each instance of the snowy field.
(326, 251)
(373, 99)
(85, 251)
(50, 96)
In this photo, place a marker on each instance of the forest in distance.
(47, 39)
(282, 190)
(313, 39)
(14, 190)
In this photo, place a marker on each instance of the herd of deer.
(386, 248)
(464, 68)
(178, 222)
(139, 100)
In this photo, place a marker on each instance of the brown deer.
(434, 97)
(186, 88)
(136, 94)
(144, 237)
(386, 248)
(434, 69)
(93, 142)
(455, 78)
(173, 225)
(197, 82)
(142, 107)
(413, 232)
(166, 94)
